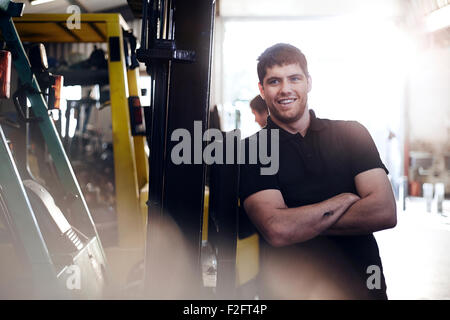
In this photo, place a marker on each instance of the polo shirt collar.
(315, 124)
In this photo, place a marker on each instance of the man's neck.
(300, 126)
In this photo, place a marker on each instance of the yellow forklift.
(127, 116)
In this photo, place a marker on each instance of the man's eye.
(273, 81)
(296, 78)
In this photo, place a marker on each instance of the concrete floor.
(416, 253)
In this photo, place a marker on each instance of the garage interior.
(163, 231)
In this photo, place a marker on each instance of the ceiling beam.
(124, 11)
(78, 4)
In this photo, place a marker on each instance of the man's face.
(260, 118)
(285, 90)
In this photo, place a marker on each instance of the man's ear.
(261, 90)
(309, 83)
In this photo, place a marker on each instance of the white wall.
(429, 97)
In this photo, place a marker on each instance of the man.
(331, 192)
(259, 110)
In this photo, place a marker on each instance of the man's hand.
(282, 226)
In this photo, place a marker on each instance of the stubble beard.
(274, 113)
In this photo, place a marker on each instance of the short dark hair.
(258, 104)
(278, 55)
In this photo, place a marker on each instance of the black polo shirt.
(313, 168)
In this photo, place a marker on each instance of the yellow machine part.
(141, 157)
(247, 259)
(53, 27)
(205, 215)
(131, 169)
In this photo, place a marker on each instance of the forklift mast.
(176, 46)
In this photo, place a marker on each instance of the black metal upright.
(223, 221)
(180, 96)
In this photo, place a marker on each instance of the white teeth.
(285, 101)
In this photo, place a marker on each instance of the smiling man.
(317, 214)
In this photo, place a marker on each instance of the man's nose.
(285, 87)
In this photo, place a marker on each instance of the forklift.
(46, 253)
(128, 122)
(191, 232)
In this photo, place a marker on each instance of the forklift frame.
(45, 277)
(130, 160)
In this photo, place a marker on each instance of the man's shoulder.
(344, 132)
(339, 122)
(345, 126)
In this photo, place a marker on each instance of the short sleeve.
(251, 180)
(363, 153)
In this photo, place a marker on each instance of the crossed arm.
(373, 209)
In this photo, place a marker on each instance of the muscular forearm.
(294, 225)
(365, 216)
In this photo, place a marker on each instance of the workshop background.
(384, 63)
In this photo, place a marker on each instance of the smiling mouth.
(286, 101)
